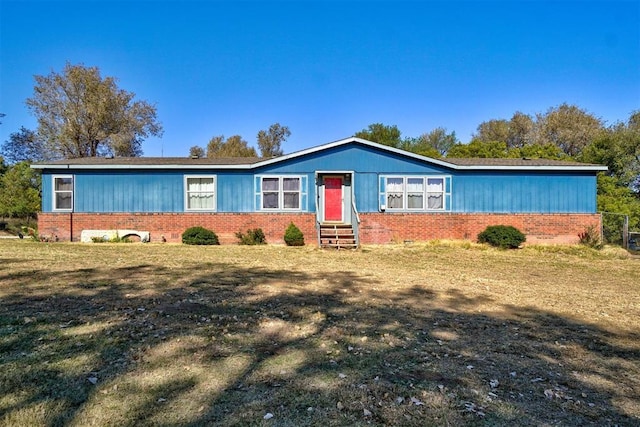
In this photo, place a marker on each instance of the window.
(435, 193)
(270, 193)
(291, 193)
(395, 193)
(63, 193)
(280, 192)
(414, 193)
(200, 193)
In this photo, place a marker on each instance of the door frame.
(347, 194)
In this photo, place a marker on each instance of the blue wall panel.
(235, 192)
(366, 162)
(312, 193)
(158, 191)
(353, 158)
(144, 191)
(509, 192)
(47, 190)
(367, 191)
(471, 191)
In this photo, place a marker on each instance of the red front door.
(333, 199)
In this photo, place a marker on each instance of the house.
(347, 191)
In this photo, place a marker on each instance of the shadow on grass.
(223, 345)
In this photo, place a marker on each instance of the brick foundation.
(172, 225)
(375, 228)
(539, 228)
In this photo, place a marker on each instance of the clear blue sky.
(329, 69)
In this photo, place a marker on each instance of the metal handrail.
(355, 224)
(317, 217)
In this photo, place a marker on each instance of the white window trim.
(443, 193)
(281, 192)
(186, 193)
(425, 193)
(54, 192)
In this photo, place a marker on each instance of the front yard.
(424, 334)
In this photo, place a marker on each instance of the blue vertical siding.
(358, 158)
(143, 191)
(154, 191)
(366, 192)
(235, 192)
(157, 190)
(47, 192)
(512, 192)
(312, 192)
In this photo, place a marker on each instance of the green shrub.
(591, 237)
(502, 236)
(199, 236)
(293, 236)
(253, 237)
(28, 231)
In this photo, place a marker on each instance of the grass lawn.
(425, 334)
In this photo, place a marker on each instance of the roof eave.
(346, 141)
(578, 167)
(116, 166)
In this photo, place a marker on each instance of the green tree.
(81, 114)
(19, 191)
(633, 147)
(568, 127)
(614, 198)
(382, 134)
(435, 143)
(196, 151)
(479, 149)
(634, 120)
(492, 130)
(270, 141)
(539, 151)
(494, 149)
(521, 130)
(24, 146)
(233, 146)
(618, 147)
(420, 146)
(517, 132)
(215, 146)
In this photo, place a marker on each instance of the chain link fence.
(615, 229)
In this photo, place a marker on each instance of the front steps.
(338, 236)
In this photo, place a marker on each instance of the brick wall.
(539, 228)
(374, 227)
(172, 225)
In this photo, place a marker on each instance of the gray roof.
(157, 161)
(511, 162)
(236, 163)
